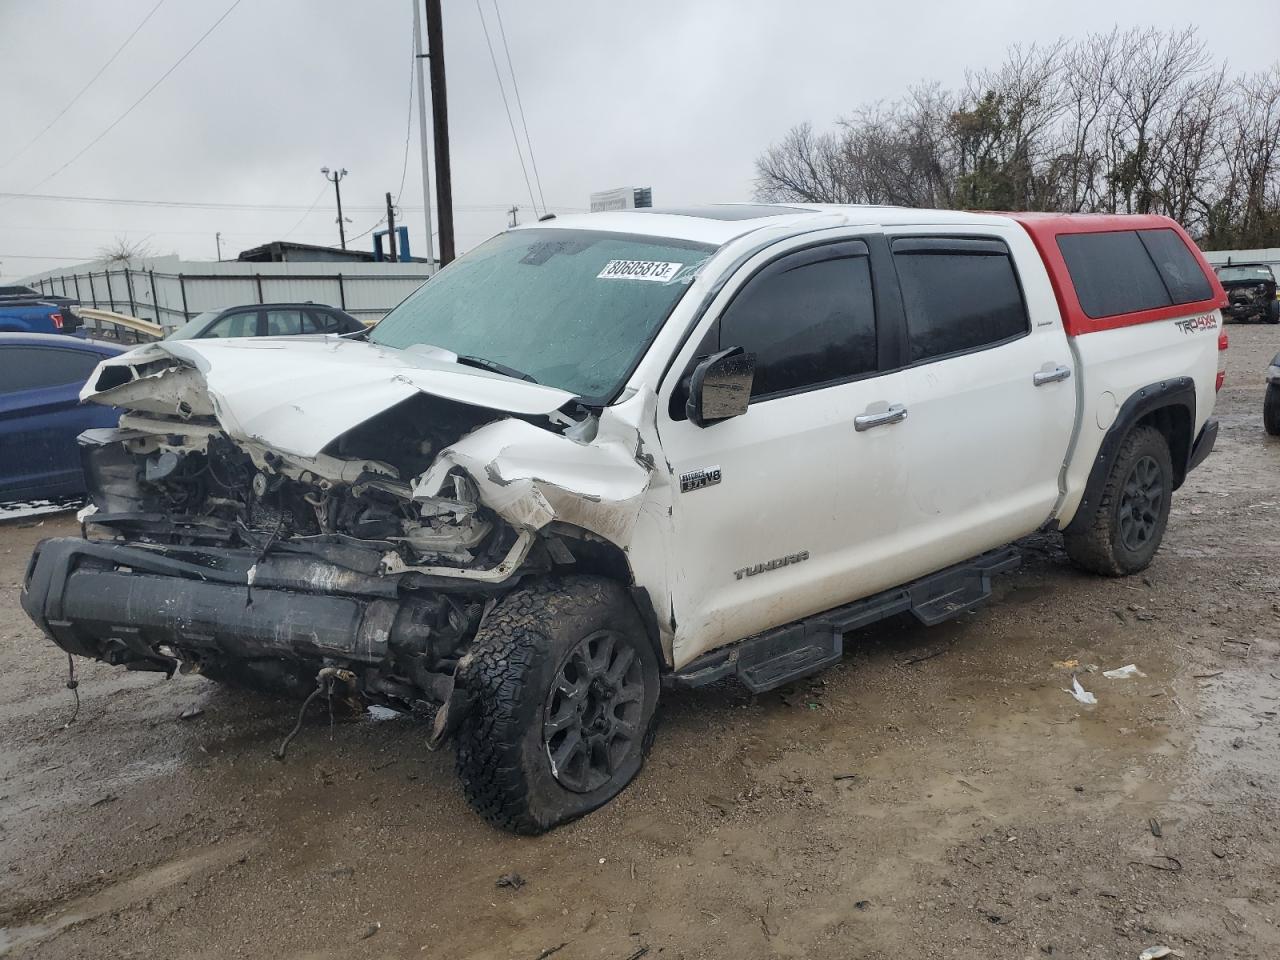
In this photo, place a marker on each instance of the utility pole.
(440, 128)
(418, 57)
(391, 228)
(337, 192)
(515, 220)
(217, 239)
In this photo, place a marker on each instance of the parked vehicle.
(1271, 401)
(1251, 292)
(41, 415)
(267, 320)
(605, 453)
(20, 315)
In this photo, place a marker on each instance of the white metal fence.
(169, 291)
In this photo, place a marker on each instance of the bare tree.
(1135, 121)
(122, 250)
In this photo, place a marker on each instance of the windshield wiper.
(496, 367)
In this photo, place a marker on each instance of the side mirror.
(720, 387)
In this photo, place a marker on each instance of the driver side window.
(809, 319)
(244, 324)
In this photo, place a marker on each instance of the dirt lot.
(937, 795)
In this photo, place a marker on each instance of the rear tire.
(1271, 410)
(563, 684)
(1129, 521)
(1273, 311)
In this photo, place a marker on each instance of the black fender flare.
(1177, 392)
(594, 554)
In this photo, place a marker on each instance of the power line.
(502, 89)
(520, 107)
(191, 49)
(323, 190)
(376, 225)
(219, 205)
(84, 89)
(39, 256)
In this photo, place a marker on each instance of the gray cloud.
(678, 95)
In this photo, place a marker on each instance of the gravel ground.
(938, 794)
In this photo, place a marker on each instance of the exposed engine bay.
(210, 489)
(269, 558)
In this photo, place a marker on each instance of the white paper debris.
(1080, 693)
(379, 712)
(1155, 953)
(1123, 673)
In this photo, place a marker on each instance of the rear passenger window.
(1112, 273)
(1179, 268)
(959, 295)
(808, 318)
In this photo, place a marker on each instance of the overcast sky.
(680, 95)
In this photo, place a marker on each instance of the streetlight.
(335, 179)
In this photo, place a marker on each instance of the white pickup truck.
(603, 455)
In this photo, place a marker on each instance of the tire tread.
(495, 671)
(1093, 548)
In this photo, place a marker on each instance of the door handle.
(1050, 375)
(865, 421)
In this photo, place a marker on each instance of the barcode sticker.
(639, 270)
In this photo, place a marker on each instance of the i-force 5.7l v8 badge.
(697, 479)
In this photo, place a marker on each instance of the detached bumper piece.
(227, 612)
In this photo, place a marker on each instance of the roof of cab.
(717, 224)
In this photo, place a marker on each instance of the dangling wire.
(72, 685)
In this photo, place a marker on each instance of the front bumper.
(222, 611)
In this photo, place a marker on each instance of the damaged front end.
(223, 539)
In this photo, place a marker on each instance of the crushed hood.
(297, 394)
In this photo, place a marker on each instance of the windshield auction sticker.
(639, 270)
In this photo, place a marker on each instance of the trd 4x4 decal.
(1195, 324)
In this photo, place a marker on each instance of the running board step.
(785, 654)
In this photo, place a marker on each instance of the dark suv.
(267, 320)
(1251, 292)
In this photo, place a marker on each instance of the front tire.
(1129, 521)
(564, 687)
(1271, 410)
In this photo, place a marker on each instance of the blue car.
(41, 414)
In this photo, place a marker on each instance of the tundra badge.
(774, 564)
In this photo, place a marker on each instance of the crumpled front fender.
(532, 477)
